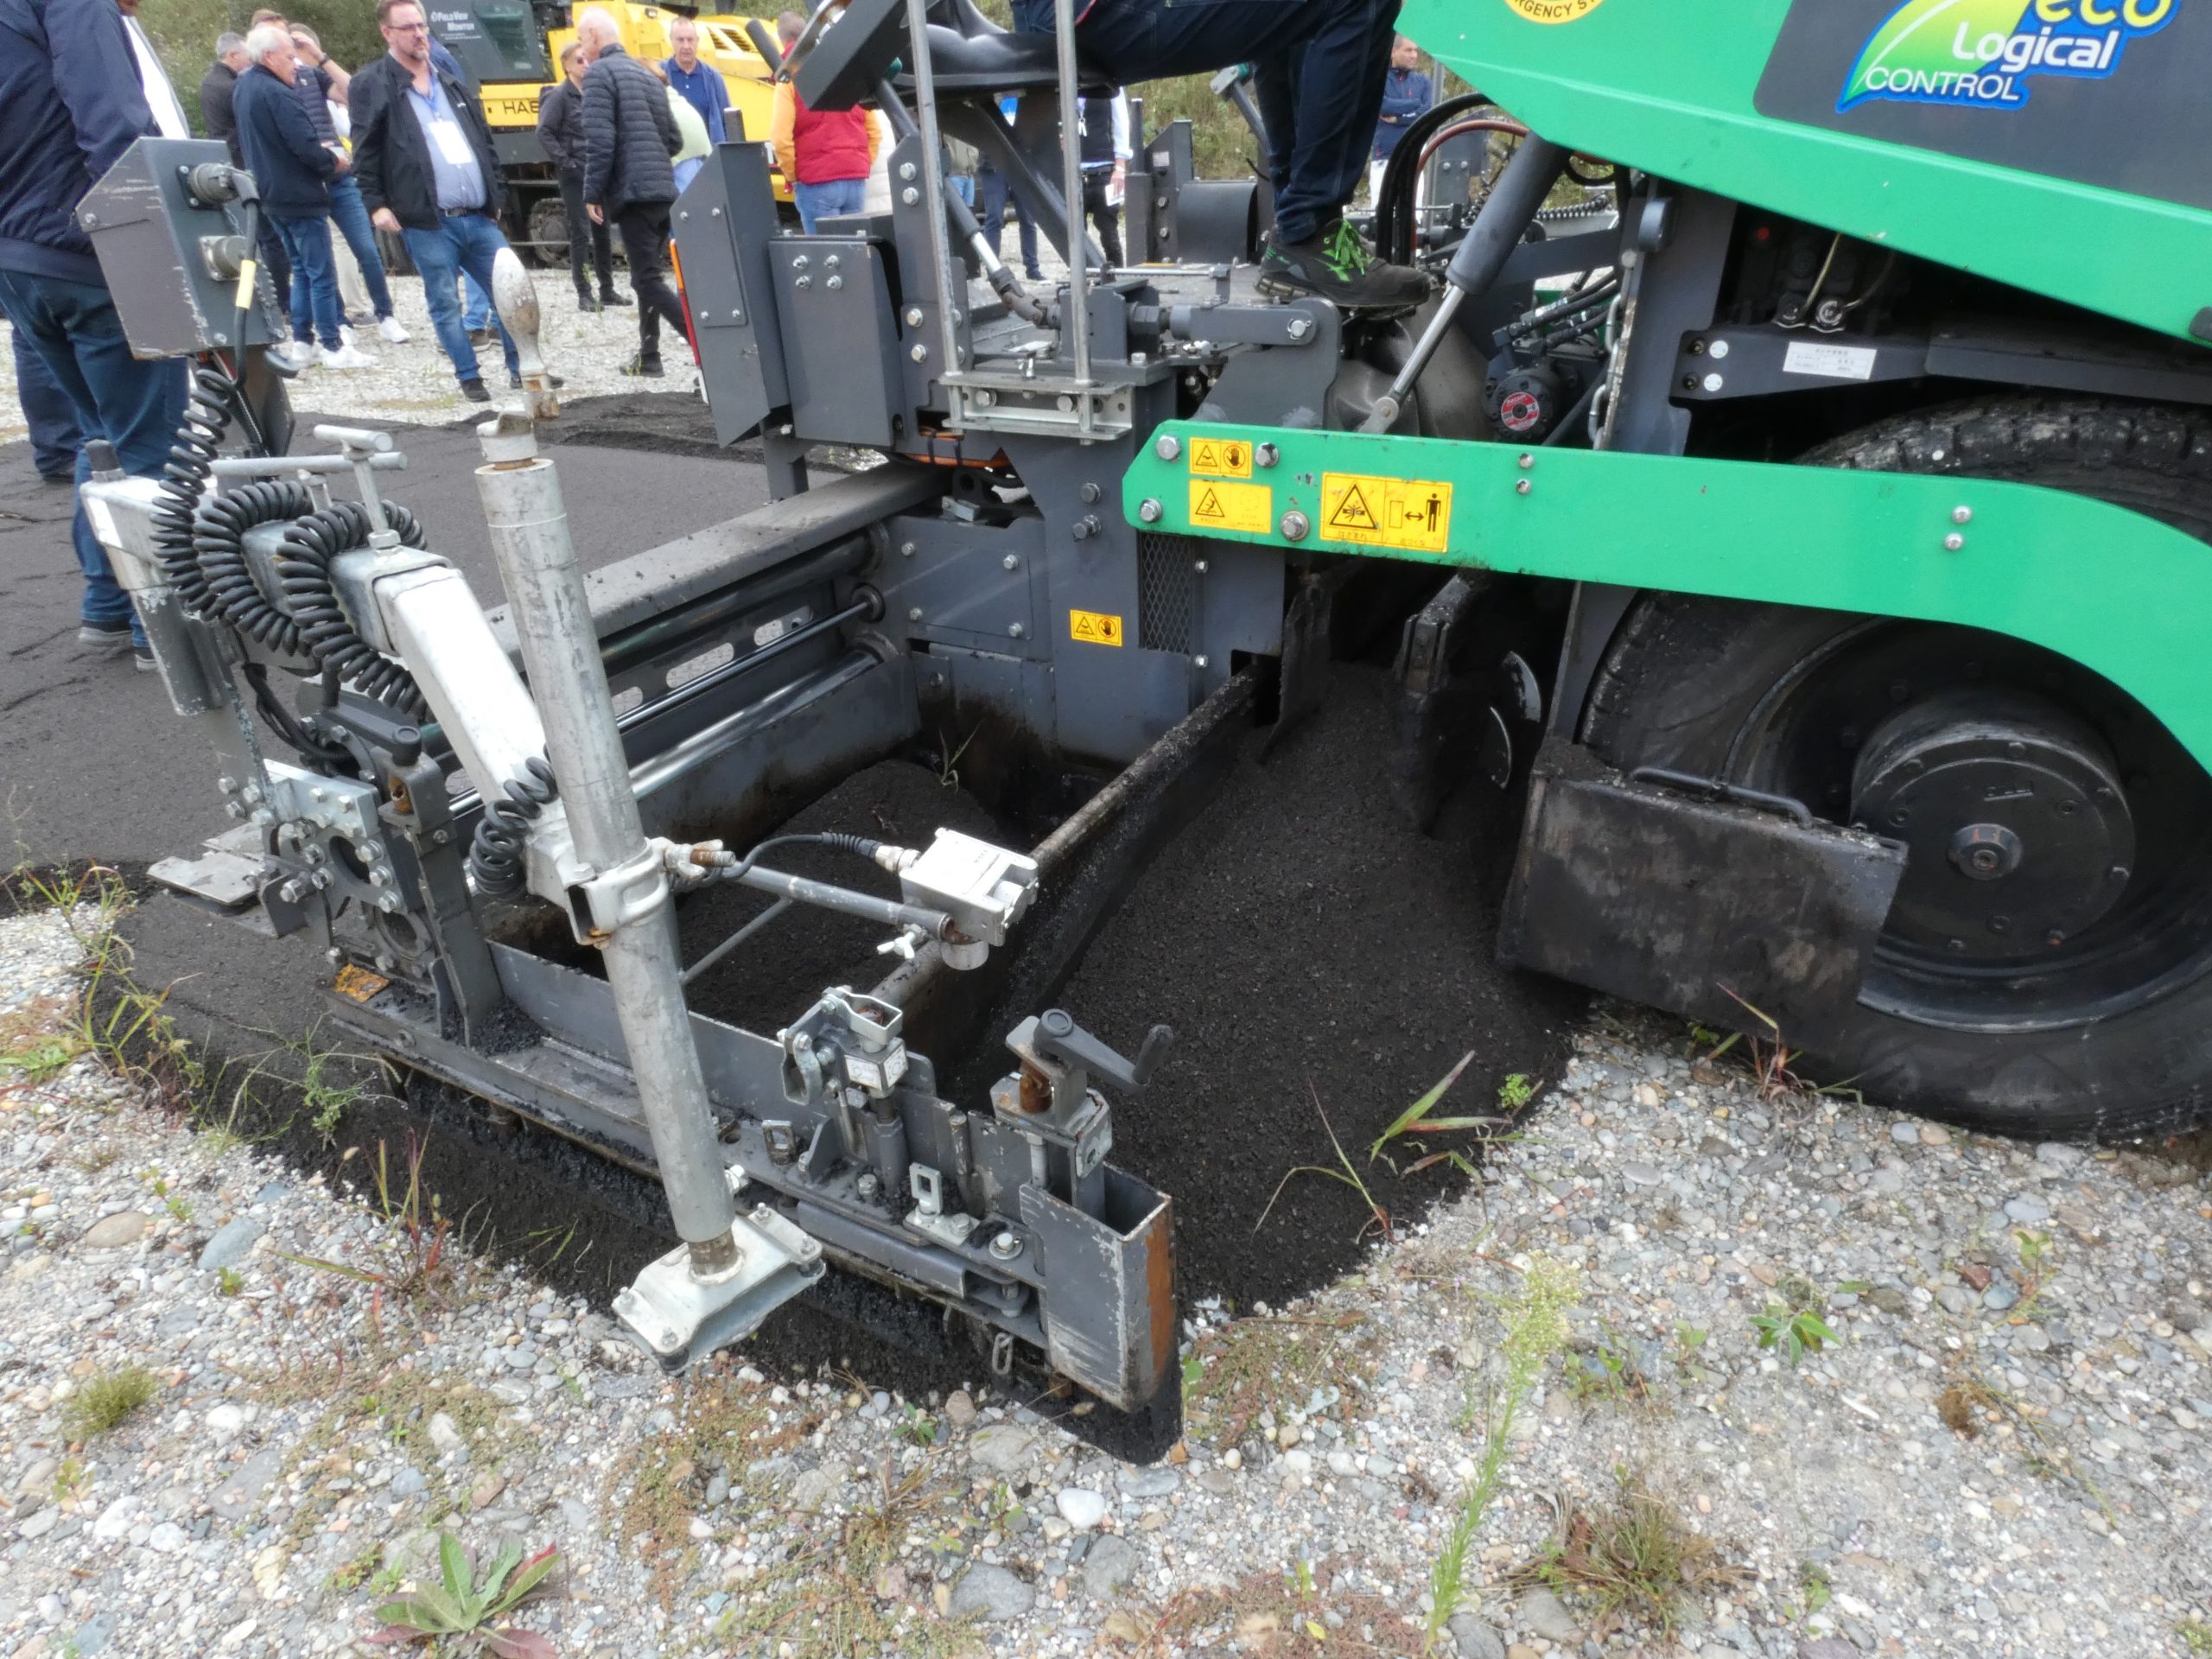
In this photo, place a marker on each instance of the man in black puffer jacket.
(629, 135)
(561, 132)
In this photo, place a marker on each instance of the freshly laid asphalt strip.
(1301, 940)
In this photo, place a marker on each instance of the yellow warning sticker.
(1411, 514)
(1221, 457)
(1249, 509)
(1095, 627)
(1554, 11)
(359, 984)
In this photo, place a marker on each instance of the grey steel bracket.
(929, 1215)
(847, 1040)
(680, 1316)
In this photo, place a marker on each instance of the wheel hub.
(2019, 832)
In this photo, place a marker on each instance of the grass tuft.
(1637, 1562)
(106, 1400)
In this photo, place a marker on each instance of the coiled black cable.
(304, 569)
(495, 852)
(207, 409)
(218, 531)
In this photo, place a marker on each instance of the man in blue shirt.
(1406, 95)
(65, 116)
(701, 83)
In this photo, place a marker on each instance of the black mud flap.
(1671, 891)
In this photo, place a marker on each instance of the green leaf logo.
(1923, 35)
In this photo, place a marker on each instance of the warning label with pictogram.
(1221, 457)
(1248, 509)
(1413, 514)
(1095, 627)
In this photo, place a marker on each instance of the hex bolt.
(668, 1338)
(1086, 527)
(1064, 403)
(1089, 492)
(1299, 327)
(1012, 561)
(1713, 382)
(1167, 447)
(1149, 510)
(910, 195)
(1294, 526)
(914, 316)
(914, 614)
(1523, 487)
(907, 170)
(867, 1185)
(1006, 1247)
(1266, 453)
(803, 282)
(1953, 542)
(906, 549)
(1528, 462)
(1962, 515)
(835, 283)
(920, 354)
(1199, 565)
(1015, 631)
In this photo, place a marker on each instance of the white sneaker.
(391, 333)
(290, 359)
(344, 358)
(346, 333)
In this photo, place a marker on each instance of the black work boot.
(642, 364)
(1335, 265)
(608, 296)
(586, 302)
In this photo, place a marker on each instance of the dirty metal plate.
(1659, 896)
(227, 880)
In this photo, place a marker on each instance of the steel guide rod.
(918, 30)
(551, 612)
(1077, 321)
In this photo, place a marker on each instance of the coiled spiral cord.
(303, 570)
(495, 852)
(218, 531)
(207, 408)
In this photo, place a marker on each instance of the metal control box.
(171, 259)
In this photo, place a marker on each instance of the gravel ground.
(2005, 1451)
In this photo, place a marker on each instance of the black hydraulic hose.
(1002, 280)
(1394, 206)
(1506, 215)
(192, 459)
(495, 852)
(303, 567)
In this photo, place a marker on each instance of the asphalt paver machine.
(1856, 453)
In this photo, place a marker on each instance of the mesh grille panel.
(1167, 592)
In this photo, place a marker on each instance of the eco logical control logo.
(1981, 53)
(1554, 11)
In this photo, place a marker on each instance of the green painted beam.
(1669, 86)
(2120, 593)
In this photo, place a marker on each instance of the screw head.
(920, 354)
(914, 316)
(915, 614)
(1198, 661)
(1168, 446)
(1266, 453)
(1149, 510)
(906, 169)
(1293, 526)
(1015, 631)
(1953, 542)
(1006, 1247)
(1012, 561)
(1713, 382)
(1528, 462)
(1962, 515)
(906, 549)
(1199, 565)
(910, 195)
(1523, 487)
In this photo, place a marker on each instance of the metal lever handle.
(1060, 1038)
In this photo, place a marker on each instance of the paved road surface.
(94, 766)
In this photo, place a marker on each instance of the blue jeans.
(137, 406)
(1320, 88)
(461, 243)
(964, 185)
(350, 215)
(997, 193)
(317, 309)
(476, 304)
(54, 437)
(829, 200)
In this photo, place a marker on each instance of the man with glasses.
(422, 154)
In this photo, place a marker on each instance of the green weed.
(1795, 1326)
(229, 1281)
(1636, 1562)
(2196, 1635)
(1535, 1319)
(1378, 1218)
(105, 1400)
(462, 1606)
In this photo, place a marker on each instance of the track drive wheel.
(2046, 970)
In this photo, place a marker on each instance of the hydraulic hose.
(1394, 206)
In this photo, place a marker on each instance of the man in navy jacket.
(65, 115)
(293, 169)
(1406, 94)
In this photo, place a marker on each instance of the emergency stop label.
(1554, 11)
(1221, 457)
(1247, 509)
(1412, 514)
(1095, 627)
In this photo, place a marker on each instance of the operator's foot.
(608, 296)
(142, 658)
(474, 390)
(642, 364)
(1337, 266)
(104, 636)
(586, 302)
